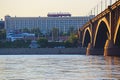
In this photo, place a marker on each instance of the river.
(59, 67)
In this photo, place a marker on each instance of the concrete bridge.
(101, 35)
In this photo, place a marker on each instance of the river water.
(59, 67)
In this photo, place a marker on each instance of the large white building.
(61, 21)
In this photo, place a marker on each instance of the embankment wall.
(27, 51)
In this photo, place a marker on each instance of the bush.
(72, 41)
(15, 44)
(43, 42)
(68, 44)
(2, 34)
(55, 44)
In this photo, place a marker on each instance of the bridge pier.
(94, 51)
(110, 49)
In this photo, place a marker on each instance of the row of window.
(19, 23)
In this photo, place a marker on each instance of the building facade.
(2, 24)
(61, 21)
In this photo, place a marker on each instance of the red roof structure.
(59, 15)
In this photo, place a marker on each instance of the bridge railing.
(101, 6)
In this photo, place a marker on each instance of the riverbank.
(32, 51)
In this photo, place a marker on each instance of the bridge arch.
(87, 37)
(102, 33)
(117, 33)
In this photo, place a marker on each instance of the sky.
(35, 8)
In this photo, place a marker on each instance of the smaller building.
(2, 24)
(34, 44)
(25, 36)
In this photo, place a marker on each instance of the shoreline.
(42, 51)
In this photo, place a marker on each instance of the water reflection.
(59, 67)
(113, 66)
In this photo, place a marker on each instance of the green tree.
(71, 30)
(72, 41)
(2, 34)
(7, 44)
(0, 44)
(55, 32)
(55, 44)
(36, 31)
(68, 44)
(19, 44)
(15, 44)
(26, 30)
(43, 42)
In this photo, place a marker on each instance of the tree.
(72, 41)
(26, 30)
(55, 32)
(19, 43)
(0, 44)
(68, 44)
(36, 31)
(71, 30)
(7, 44)
(42, 42)
(15, 44)
(2, 34)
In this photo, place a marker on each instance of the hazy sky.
(42, 7)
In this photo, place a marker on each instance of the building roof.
(59, 15)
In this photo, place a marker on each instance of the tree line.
(42, 41)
